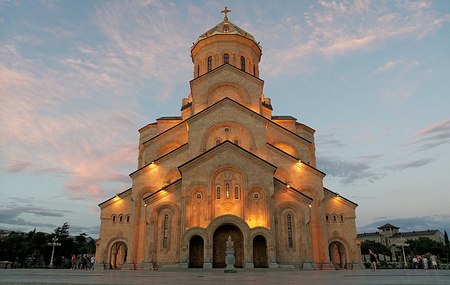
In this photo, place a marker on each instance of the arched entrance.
(196, 246)
(118, 255)
(337, 255)
(259, 252)
(219, 245)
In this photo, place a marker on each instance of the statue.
(230, 259)
(230, 243)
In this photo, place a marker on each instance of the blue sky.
(79, 78)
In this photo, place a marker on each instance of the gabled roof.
(204, 111)
(293, 189)
(416, 233)
(387, 226)
(118, 195)
(222, 145)
(337, 195)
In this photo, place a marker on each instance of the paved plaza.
(218, 277)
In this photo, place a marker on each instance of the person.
(73, 260)
(433, 261)
(92, 262)
(373, 260)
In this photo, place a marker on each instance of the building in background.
(226, 168)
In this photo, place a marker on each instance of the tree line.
(32, 250)
(420, 246)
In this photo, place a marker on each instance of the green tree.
(377, 247)
(425, 245)
(445, 237)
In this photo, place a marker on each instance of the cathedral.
(226, 167)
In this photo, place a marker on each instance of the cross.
(225, 11)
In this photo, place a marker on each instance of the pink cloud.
(443, 126)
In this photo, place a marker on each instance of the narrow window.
(226, 58)
(128, 219)
(342, 218)
(114, 218)
(198, 70)
(242, 63)
(289, 231)
(166, 231)
(334, 219)
(120, 218)
(218, 192)
(236, 192)
(327, 218)
(209, 63)
(227, 189)
(254, 70)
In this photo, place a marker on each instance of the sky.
(79, 78)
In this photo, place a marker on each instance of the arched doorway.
(219, 245)
(337, 255)
(196, 246)
(118, 255)
(259, 252)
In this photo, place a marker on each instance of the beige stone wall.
(226, 162)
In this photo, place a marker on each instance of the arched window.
(289, 231)
(227, 190)
(226, 58)
(236, 192)
(114, 218)
(254, 70)
(218, 192)
(198, 70)
(199, 195)
(327, 218)
(242, 63)
(128, 218)
(166, 231)
(342, 218)
(256, 196)
(209, 63)
(334, 218)
(120, 219)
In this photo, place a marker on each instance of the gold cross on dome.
(225, 11)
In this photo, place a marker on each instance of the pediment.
(227, 153)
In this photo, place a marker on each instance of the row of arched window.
(226, 59)
(334, 218)
(120, 218)
(227, 193)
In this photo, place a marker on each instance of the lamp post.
(53, 243)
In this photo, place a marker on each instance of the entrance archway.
(259, 252)
(337, 255)
(219, 245)
(196, 253)
(118, 255)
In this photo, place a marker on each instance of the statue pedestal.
(230, 260)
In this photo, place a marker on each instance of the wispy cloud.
(433, 136)
(340, 28)
(412, 164)
(348, 171)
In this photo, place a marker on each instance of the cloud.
(348, 171)
(388, 66)
(413, 164)
(339, 28)
(433, 136)
(422, 223)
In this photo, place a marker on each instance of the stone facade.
(227, 167)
